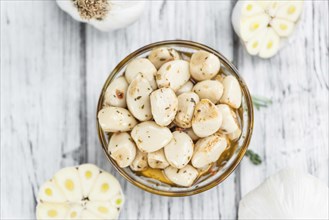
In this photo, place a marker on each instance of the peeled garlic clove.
(230, 121)
(161, 55)
(187, 87)
(105, 187)
(115, 94)
(141, 67)
(290, 11)
(49, 192)
(173, 74)
(164, 106)
(140, 162)
(122, 149)
(208, 150)
(209, 89)
(235, 135)
(232, 92)
(254, 45)
(271, 44)
(51, 211)
(138, 99)
(248, 27)
(150, 137)
(157, 159)
(88, 174)
(179, 151)
(114, 119)
(204, 65)
(105, 210)
(282, 27)
(191, 133)
(74, 212)
(68, 181)
(182, 177)
(186, 105)
(206, 119)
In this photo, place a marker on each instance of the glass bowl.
(232, 158)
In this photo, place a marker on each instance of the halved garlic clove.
(186, 105)
(141, 67)
(173, 74)
(51, 211)
(232, 92)
(122, 149)
(248, 27)
(164, 106)
(138, 99)
(104, 210)
(230, 121)
(182, 177)
(187, 87)
(74, 212)
(49, 192)
(105, 187)
(161, 55)
(68, 181)
(179, 151)
(273, 7)
(204, 65)
(290, 10)
(192, 135)
(254, 45)
(150, 137)
(115, 119)
(88, 174)
(157, 159)
(140, 162)
(206, 119)
(87, 215)
(117, 201)
(271, 44)
(208, 150)
(115, 94)
(282, 27)
(209, 89)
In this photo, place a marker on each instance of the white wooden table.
(52, 70)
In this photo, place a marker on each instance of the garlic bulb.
(264, 25)
(289, 194)
(105, 15)
(83, 192)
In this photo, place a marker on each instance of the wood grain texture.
(53, 68)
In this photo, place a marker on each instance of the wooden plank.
(40, 100)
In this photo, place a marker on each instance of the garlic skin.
(119, 14)
(289, 194)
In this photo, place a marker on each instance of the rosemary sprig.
(261, 102)
(254, 157)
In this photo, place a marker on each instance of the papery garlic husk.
(82, 192)
(105, 15)
(289, 194)
(264, 26)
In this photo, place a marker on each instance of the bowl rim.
(244, 147)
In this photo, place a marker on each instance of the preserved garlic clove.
(204, 65)
(192, 135)
(209, 89)
(115, 94)
(164, 106)
(235, 135)
(157, 159)
(150, 137)
(173, 74)
(230, 121)
(206, 119)
(114, 119)
(232, 92)
(141, 67)
(186, 105)
(179, 151)
(162, 55)
(140, 162)
(208, 150)
(187, 87)
(182, 177)
(122, 149)
(138, 99)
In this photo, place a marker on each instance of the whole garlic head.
(105, 15)
(289, 194)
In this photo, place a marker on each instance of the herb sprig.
(254, 157)
(261, 102)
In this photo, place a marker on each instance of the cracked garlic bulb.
(264, 25)
(105, 15)
(83, 192)
(289, 194)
